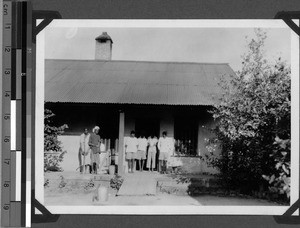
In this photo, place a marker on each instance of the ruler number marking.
(7, 161)
(6, 207)
(7, 94)
(6, 116)
(6, 139)
(5, 11)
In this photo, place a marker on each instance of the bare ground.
(77, 191)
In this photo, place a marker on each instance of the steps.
(138, 184)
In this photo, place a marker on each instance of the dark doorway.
(148, 127)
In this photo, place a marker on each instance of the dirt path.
(159, 199)
(73, 193)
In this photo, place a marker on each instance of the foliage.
(47, 182)
(52, 161)
(89, 185)
(51, 142)
(279, 182)
(116, 182)
(62, 182)
(253, 111)
(53, 153)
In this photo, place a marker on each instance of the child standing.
(131, 146)
(164, 147)
(152, 142)
(141, 153)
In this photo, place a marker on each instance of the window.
(186, 136)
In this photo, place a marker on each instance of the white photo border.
(167, 210)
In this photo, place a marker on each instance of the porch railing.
(182, 148)
(110, 151)
(185, 148)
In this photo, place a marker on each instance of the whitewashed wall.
(191, 164)
(71, 145)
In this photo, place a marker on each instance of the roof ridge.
(137, 61)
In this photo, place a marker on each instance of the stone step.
(138, 185)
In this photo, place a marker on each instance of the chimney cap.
(104, 36)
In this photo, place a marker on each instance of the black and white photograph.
(167, 117)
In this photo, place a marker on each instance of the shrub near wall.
(53, 153)
(254, 112)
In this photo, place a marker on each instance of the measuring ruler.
(14, 112)
(6, 113)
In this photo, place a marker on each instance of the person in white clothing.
(131, 146)
(172, 146)
(84, 150)
(141, 153)
(102, 156)
(164, 147)
(152, 142)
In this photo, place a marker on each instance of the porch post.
(121, 143)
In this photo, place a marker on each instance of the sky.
(208, 45)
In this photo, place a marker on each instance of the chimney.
(103, 47)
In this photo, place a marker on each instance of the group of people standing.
(140, 149)
(90, 144)
(136, 149)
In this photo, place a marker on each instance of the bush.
(53, 153)
(46, 183)
(89, 185)
(116, 182)
(253, 112)
(52, 161)
(279, 182)
(62, 182)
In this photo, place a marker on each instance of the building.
(149, 97)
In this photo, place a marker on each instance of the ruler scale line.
(18, 73)
(13, 123)
(15, 106)
(13, 173)
(23, 44)
(18, 125)
(13, 211)
(29, 122)
(13, 51)
(18, 176)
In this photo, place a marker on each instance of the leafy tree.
(279, 181)
(252, 113)
(53, 153)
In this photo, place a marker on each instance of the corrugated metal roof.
(133, 82)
